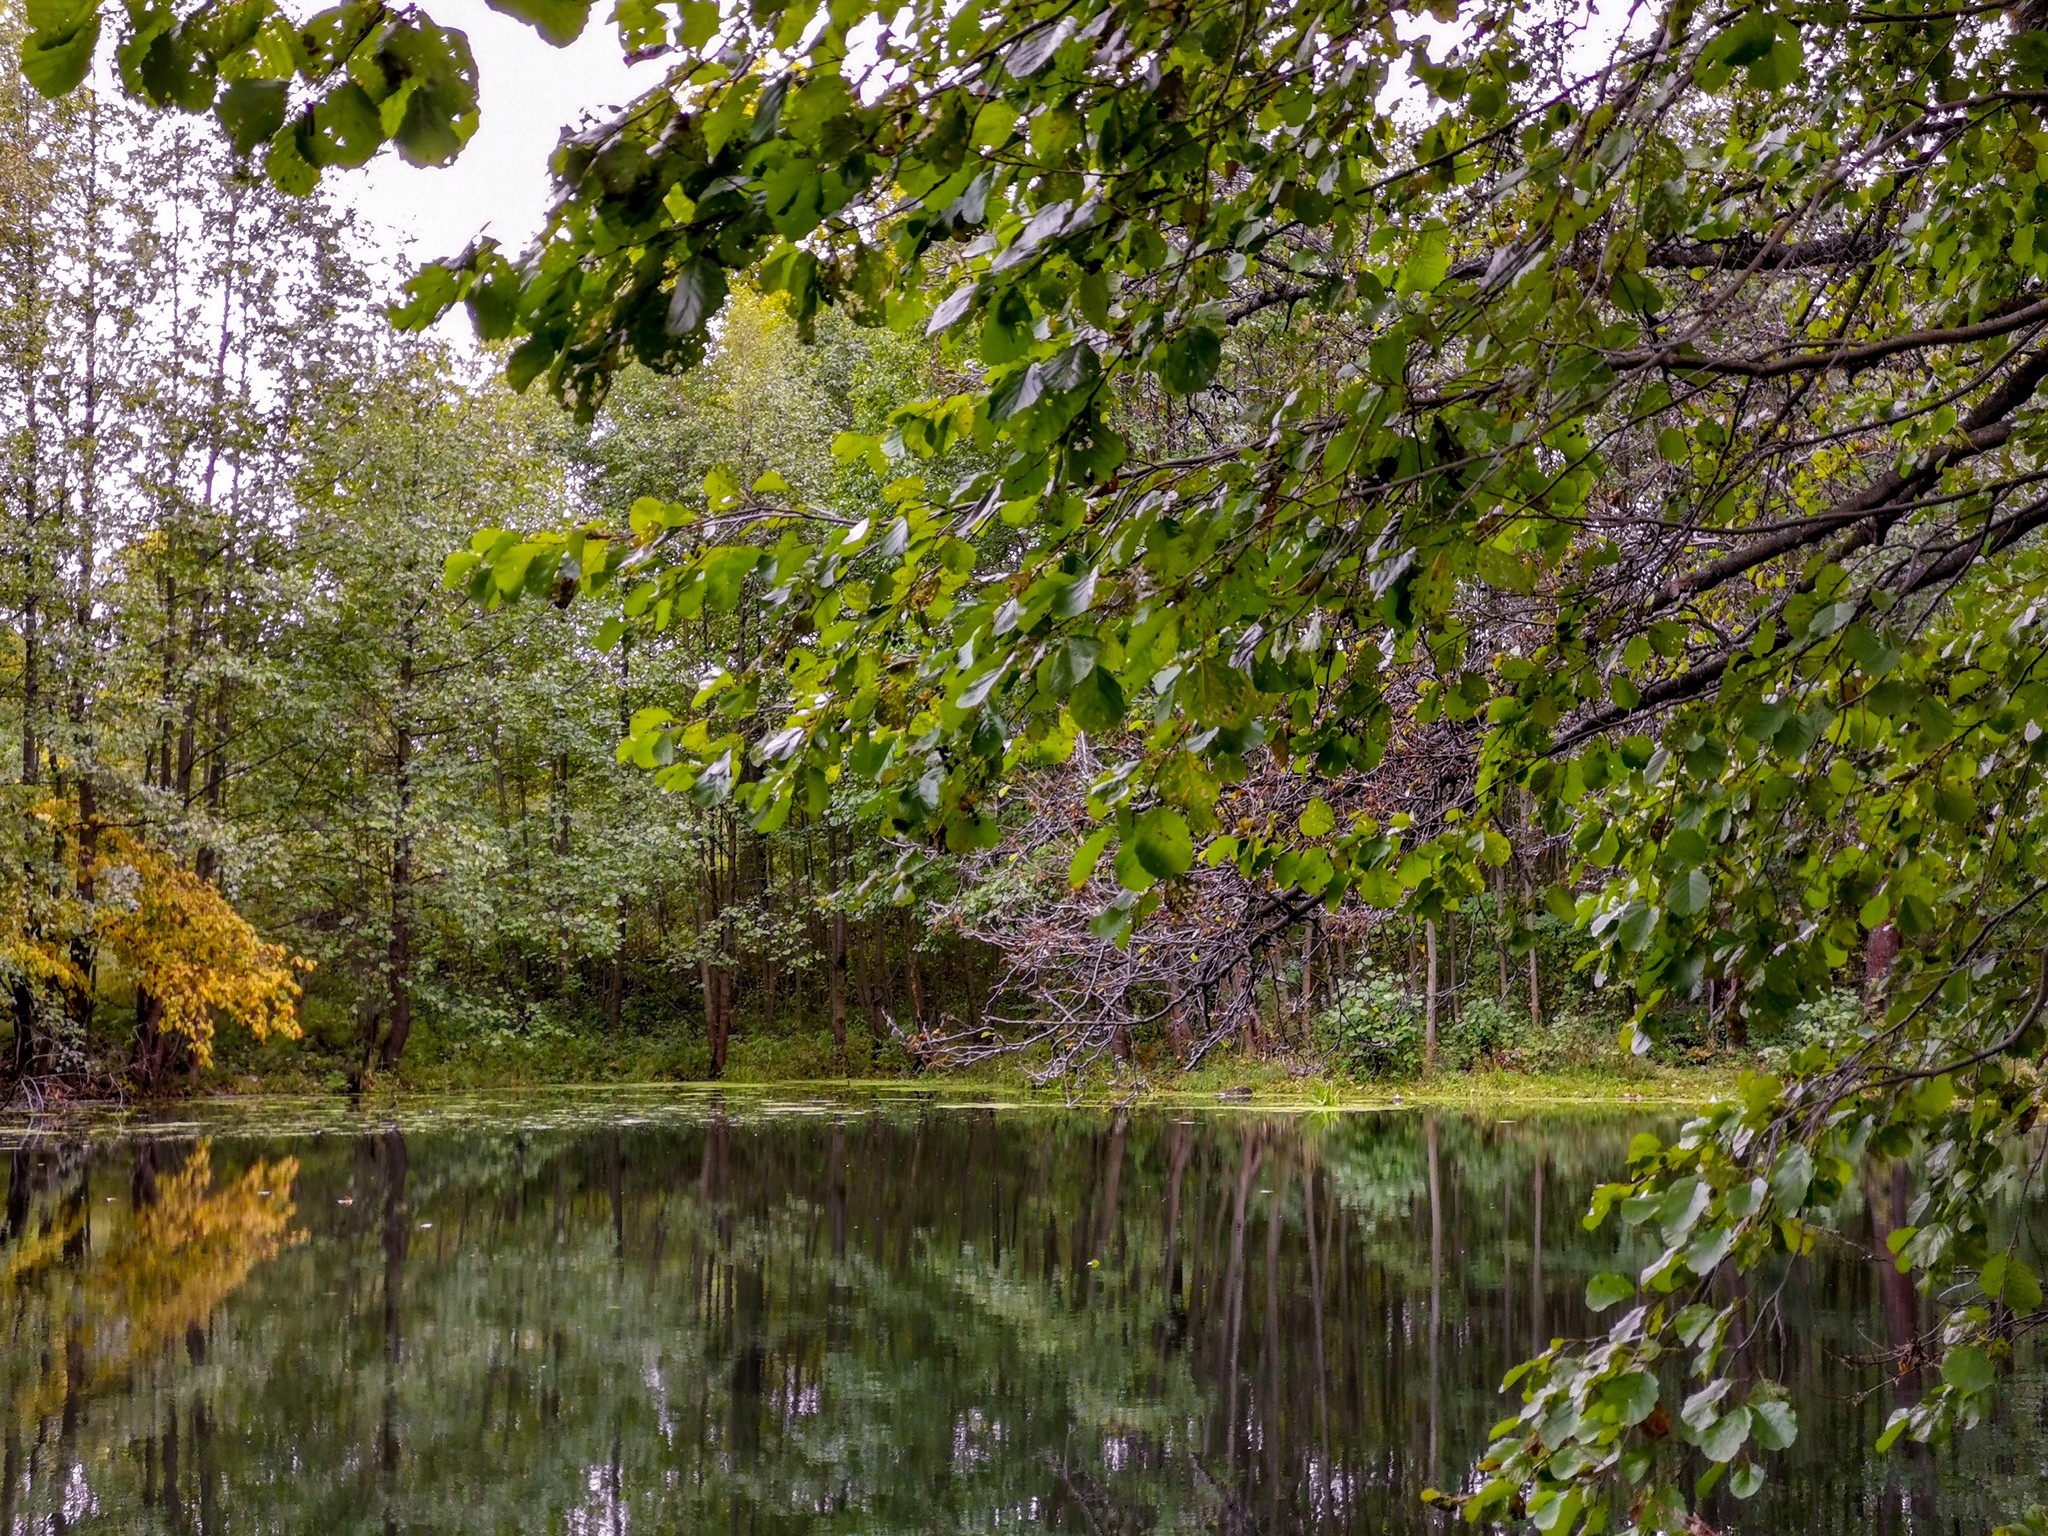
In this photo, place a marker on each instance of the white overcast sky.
(499, 184)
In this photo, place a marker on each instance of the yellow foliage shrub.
(189, 950)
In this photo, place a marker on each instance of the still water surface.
(694, 1313)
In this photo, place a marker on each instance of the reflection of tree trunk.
(1112, 1183)
(19, 1172)
(615, 1180)
(1276, 1410)
(1888, 1202)
(1315, 1284)
(173, 1504)
(397, 1240)
(10, 1474)
(1233, 1285)
(142, 1176)
(1887, 1205)
(749, 1371)
(1178, 1146)
(835, 1190)
(1536, 1339)
(1507, 1261)
(74, 1400)
(204, 1477)
(1436, 1286)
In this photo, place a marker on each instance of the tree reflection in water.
(870, 1319)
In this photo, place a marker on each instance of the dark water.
(688, 1315)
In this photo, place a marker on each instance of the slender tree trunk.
(1504, 932)
(615, 973)
(615, 976)
(835, 962)
(1429, 999)
(869, 982)
(915, 977)
(83, 955)
(400, 955)
(31, 654)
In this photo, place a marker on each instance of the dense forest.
(267, 768)
(273, 773)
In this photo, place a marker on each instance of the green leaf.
(2022, 1289)
(1018, 391)
(56, 58)
(1164, 846)
(1689, 893)
(951, 309)
(1894, 1427)
(2008, 1279)
(1634, 1394)
(1791, 1179)
(1608, 1290)
(1773, 1421)
(1726, 1435)
(1692, 1322)
(1087, 856)
(1063, 671)
(697, 24)
(725, 574)
(1215, 692)
(287, 166)
(1968, 1369)
(1075, 597)
(1189, 361)
(698, 292)
(1318, 820)
(346, 127)
(1860, 643)
(1130, 870)
(561, 22)
(251, 111)
(1427, 265)
(1500, 569)
(1097, 702)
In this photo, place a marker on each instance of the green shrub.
(1832, 1016)
(1484, 1030)
(1374, 1027)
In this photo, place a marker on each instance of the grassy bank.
(538, 1061)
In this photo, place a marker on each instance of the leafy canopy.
(1662, 440)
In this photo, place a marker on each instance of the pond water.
(699, 1313)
